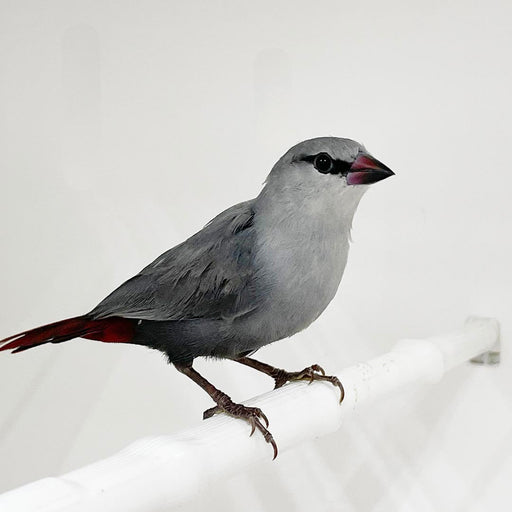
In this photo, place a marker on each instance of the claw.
(269, 439)
(264, 417)
(318, 368)
(251, 414)
(274, 445)
(267, 435)
(342, 389)
(312, 373)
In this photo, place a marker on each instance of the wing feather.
(210, 275)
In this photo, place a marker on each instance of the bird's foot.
(253, 415)
(311, 373)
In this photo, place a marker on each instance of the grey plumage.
(260, 271)
(207, 276)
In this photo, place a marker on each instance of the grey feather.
(260, 271)
(210, 275)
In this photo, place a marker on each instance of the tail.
(111, 330)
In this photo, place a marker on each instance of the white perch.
(156, 473)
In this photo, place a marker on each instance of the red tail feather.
(114, 329)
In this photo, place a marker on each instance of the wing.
(210, 275)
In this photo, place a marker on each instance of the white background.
(125, 126)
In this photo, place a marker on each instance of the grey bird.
(259, 272)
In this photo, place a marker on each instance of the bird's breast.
(302, 266)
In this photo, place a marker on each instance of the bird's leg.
(253, 415)
(281, 377)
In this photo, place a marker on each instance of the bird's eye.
(323, 163)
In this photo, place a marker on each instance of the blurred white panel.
(125, 126)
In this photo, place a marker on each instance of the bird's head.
(332, 160)
(323, 171)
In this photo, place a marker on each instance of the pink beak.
(366, 170)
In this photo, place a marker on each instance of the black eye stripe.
(338, 166)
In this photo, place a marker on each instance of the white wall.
(125, 126)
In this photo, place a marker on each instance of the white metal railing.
(157, 473)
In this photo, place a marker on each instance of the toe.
(318, 368)
(211, 412)
(263, 416)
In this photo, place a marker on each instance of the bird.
(260, 271)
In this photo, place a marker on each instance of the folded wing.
(210, 275)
